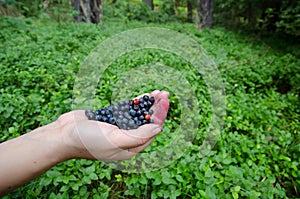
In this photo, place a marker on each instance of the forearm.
(28, 156)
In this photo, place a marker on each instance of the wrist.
(70, 144)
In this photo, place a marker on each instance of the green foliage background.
(256, 156)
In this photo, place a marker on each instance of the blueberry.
(141, 100)
(124, 108)
(143, 110)
(110, 108)
(151, 121)
(146, 97)
(141, 118)
(126, 114)
(112, 121)
(90, 114)
(121, 103)
(151, 99)
(132, 112)
(98, 117)
(97, 112)
(150, 112)
(139, 123)
(142, 105)
(123, 126)
(138, 113)
(135, 119)
(136, 107)
(144, 122)
(120, 116)
(125, 120)
(104, 119)
(150, 103)
(145, 103)
(131, 123)
(130, 102)
(115, 108)
(119, 121)
(102, 112)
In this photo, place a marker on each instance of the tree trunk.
(89, 11)
(205, 14)
(189, 11)
(149, 3)
(172, 9)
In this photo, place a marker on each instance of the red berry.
(147, 117)
(136, 101)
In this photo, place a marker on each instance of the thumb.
(139, 136)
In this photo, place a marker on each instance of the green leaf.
(157, 181)
(83, 191)
(235, 195)
(237, 188)
(179, 178)
(93, 176)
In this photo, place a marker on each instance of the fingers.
(160, 107)
(137, 137)
(129, 153)
(140, 148)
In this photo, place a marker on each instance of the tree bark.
(189, 11)
(89, 11)
(172, 9)
(149, 3)
(205, 14)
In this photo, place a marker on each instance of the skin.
(71, 136)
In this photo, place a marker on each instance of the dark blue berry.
(144, 121)
(151, 99)
(145, 103)
(146, 97)
(130, 102)
(150, 112)
(138, 113)
(141, 100)
(125, 120)
(90, 114)
(131, 123)
(143, 110)
(136, 107)
(98, 117)
(126, 114)
(132, 112)
(104, 119)
(141, 118)
(112, 121)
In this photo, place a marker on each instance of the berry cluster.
(126, 115)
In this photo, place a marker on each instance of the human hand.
(97, 140)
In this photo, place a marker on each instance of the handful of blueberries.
(129, 114)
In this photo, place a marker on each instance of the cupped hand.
(98, 140)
